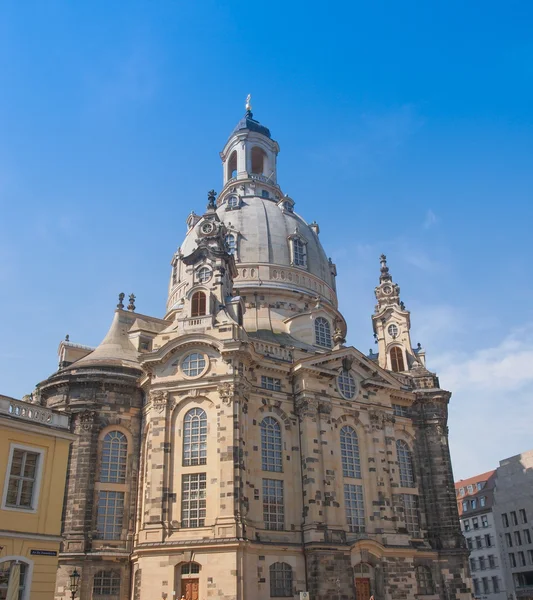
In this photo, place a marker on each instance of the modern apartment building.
(513, 514)
(475, 499)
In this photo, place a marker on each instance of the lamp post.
(74, 583)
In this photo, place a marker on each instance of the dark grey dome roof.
(248, 122)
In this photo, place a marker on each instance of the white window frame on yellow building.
(38, 476)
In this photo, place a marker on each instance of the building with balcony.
(34, 450)
(236, 447)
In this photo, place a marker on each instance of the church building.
(235, 447)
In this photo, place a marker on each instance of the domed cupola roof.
(249, 123)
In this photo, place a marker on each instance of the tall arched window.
(322, 332)
(106, 583)
(14, 575)
(199, 304)
(425, 581)
(405, 464)
(114, 458)
(258, 160)
(281, 580)
(195, 437)
(351, 462)
(271, 458)
(231, 243)
(298, 252)
(396, 359)
(232, 165)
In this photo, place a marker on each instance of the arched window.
(425, 581)
(298, 252)
(281, 580)
(233, 202)
(322, 332)
(232, 165)
(351, 461)
(396, 359)
(271, 458)
(114, 458)
(106, 583)
(14, 576)
(231, 243)
(195, 437)
(258, 161)
(405, 464)
(190, 568)
(199, 304)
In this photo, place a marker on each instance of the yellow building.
(34, 449)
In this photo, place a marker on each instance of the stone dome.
(263, 228)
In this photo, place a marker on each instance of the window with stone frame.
(193, 500)
(109, 515)
(270, 383)
(281, 580)
(396, 359)
(355, 507)
(405, 464)
(299, 252)
(424, 580)
(114, 458)
(195, 437)
(271, 448)
(411, 514)
(273, 504)
(198, 304)
(231, 243)
(351, 460)
(22, 487)
(106, 584)
(322, 332)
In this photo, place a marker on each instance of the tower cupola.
(250, 152)
(392, 324)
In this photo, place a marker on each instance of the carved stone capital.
(226, 391)
(86, 420)
(306, 406)
(159, 399)
(324, 406)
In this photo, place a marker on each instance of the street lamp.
(74, 583)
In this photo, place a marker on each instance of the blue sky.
(405, 128)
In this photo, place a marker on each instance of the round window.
(194, 364)
(204, 274)
(346, 384)
(393, 330)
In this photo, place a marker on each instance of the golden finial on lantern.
(249, 103)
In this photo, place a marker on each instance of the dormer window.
(299, 254)
(265, 194)
(231, 243)
(233, 202)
